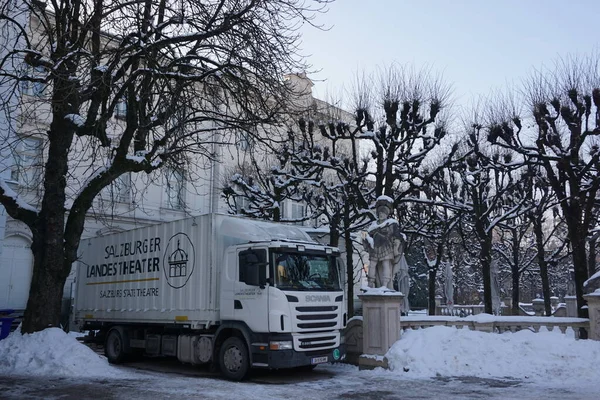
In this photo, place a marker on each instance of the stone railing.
(536, 308)
(458, 310)
(499, 324)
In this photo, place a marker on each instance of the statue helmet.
(384, 201)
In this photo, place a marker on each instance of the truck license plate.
(319, 360)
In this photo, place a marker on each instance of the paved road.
(163, 379)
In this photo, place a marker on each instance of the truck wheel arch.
(116, 345)
(124, 332)
(229, 329)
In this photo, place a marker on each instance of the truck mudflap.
(277, 359)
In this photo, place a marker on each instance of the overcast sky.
(477, 45)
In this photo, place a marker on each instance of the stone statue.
(384, 242)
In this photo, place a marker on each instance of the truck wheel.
(233, 359)
(114, 347)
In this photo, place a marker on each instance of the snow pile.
(51, 352)
(447, 351)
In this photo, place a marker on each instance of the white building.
(131, 201)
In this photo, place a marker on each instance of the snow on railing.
(498, 324)
(465, 310)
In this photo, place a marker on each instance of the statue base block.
(372, 361)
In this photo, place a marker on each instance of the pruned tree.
(564, 106)
(541, 199)
(405, 130)
(251, 190)
(187, 73)
(431, 217)
(484, 177)
(513, 250)
(328, 159)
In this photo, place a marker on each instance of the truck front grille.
(317, 342)
(316, 309)
(316, 328)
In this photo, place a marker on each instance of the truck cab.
(289, 299)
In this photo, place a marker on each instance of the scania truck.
(218, 289)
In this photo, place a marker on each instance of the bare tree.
(186, 72)
(435, 220)
(408, 126)
(485, 177)
(565, 112)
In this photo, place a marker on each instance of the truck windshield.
(302, 271)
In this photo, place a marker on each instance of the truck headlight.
(281, 345)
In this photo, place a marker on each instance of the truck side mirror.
(253, 267)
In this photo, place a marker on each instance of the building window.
(175, 189)
(122, 188)
(297, 212)
(34, 88)
(244, 140)
(119, 190)
(26, 168)
(242, 203)
(121, 109)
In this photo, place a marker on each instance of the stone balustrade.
(558, 310)
(499, 324)
(459, 310)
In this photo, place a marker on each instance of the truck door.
(250, 297)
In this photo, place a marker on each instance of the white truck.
(214, 288)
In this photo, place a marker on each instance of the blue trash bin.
(5, 325)
(5, 322)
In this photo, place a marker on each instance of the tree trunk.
(580, 266)
(516, 294)
(431, 290)
(46, 290)
(515, 275)
(541, 256)
(577, 238)
(334, 231)
(349, 273)
(592, 257)
(485, 257)
(50, 266)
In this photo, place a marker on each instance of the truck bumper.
(290, 358)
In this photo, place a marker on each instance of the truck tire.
(233, 359)
(114, 347)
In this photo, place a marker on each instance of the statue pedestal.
(381, 325)
(571, 302)
(593, 301)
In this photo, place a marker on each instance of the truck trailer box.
(164, 273)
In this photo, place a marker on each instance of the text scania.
(316, 297)
(128, 267)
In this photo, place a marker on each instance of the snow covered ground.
(432, 361)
